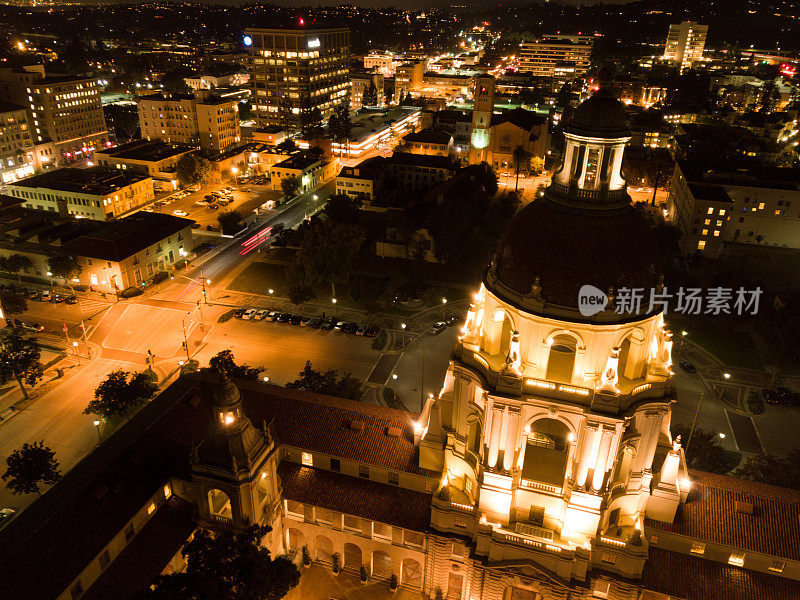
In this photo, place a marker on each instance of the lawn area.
(734, 348)
(259, 277)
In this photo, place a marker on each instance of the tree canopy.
(63, 265)
(226, 360)
(13, 304)
(15, 263)
(704, 451)
(327, 252)
(342, 208)
(19, 358)
(768, 468)
(120, 393)
(328, 382)
(193, 169)
(29, 467)
(227, 566)
(290, 185)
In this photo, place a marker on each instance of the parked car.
(45, 295)
(437, 328)
(350, 327)
(295, 319)
(6, 514)
(305, 321)
(315, 323)
(687, 366)
(201, 202)
(452, 320)
(339, 325)
(70, 300)
(328, 324)
(210, 198)
(372, 332)
(239, 312)
(213, 207)
(248, 314)
(361, 330)
(196, 226)
(283, 317)
(179, 213)
(260, 314)
(57, 299)
(272, 315)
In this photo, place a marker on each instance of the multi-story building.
(362, 81)
(364, 179)
(63, 110)
(112, 255)
(211, 82)
(294, 71)
(310, 169)
(17, 152)
(384, 63)
(202, 119)
(429, 141)
(419, 171)
(155, 159)
(99, 193)
(407, 78)
(544, 467)
(715, 203)
(685, 43)
(543, 56)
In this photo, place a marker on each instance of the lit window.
(719, 223)
(721, 212)
(701, 245)
(760, 205)
(499, 315)
(737, 559)
(609, 559)
(710, 210)
(705, 231)
(698, 548)
(308, 459)
(167, 491)
(151, 509)
(777, 566)
(707, 222)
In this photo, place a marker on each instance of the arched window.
(624, 354)
(561, 360)
(474, 437)
(219, 504)
(546, 452)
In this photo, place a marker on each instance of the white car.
(259, 316)
(180, 213)
(6, 514)
(248, 314)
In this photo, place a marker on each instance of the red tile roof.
(710, 515)
(354, 496)
(685, 576)
(145, 557)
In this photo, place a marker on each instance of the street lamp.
(97, 426)
(270, 290)
(77, 354)
(721, 436)
(234, 170)
(394, 381)
(333, 300)
(444, 308)
(266, 379)
(684, 333)
(726, 375)
(403, 327)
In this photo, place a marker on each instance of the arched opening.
(324, 549)
(294, 541)
(262, 488)
(219, 504)
(505, 335)
(474, 437)
(561, 360)
(517, 593)
(624, 353)
(352, 558)
(381, 565)
(411, 574)
(546, 452)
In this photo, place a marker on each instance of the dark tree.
(522, 162)
(64, 266)
(300, 293)
(120, 393)
(342, 208)
(328, 383)
(193, 169)
(327, 252)
(290, 185)
(230, 222)
(370, 95)
(19, 358)
(30, 466)
(225, 360)
(768, 468)
(704, 451)
(13, 304)
(15, 263)
(227, 566)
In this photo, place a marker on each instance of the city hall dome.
(601, 116)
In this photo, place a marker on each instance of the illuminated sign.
(248, 41)
(313, 43)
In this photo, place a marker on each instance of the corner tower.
(482, 109)
(552, 428)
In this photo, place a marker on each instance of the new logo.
(591, 300)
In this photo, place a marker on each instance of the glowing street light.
(444, 308)
(726, 375)
(394, 381)
(333, 300)
(97, 426)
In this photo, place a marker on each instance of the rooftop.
(94, 180)
(699, 171)
(524, 119)
(301, 160)
(366, 168)
(710, 514)
(143, 150)
(422, 160)
(429, 136)
(709, 191)
(117, 240)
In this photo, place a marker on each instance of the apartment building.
(360, 82)
(63, 110)
(568, 54)
(203, 119)
(155, 159)
(713, 203)
(16, 146)
(419, 171)
(429, 141)
(364, 179)
(293, 71)
(384, 63)
(99, 193)
(407, 78)
(685, 43)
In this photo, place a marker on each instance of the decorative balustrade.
(523, 540)
(542, 487)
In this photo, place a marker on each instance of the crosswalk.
(91, 306)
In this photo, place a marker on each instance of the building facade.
(428, 141)
(544, 56)
(685, 43)
(407, 79)
(156, 159)
(17, 152)
(361, 82)
(294, 71)
(62, 110)
(99, 193)
(202, 119)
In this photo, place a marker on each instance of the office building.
(62, 110)
(156, 159)
(407, 79)
(294, 71)
(99, 193)
(714, 203)
(567, 56)
(203, 119)
(685, 43)
(359, 82)
(384, 63)
(17, 152)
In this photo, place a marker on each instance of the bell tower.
(234, 469)
(482, 108)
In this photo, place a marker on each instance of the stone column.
(602, 459)
(510, 441)
(494, 437)
(587, 453)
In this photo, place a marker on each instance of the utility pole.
(185, 339)
(86, 341)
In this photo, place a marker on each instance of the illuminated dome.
(601, 116)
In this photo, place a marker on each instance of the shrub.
(393, 581)
(337, 562)
(306, 555)
(362, 571)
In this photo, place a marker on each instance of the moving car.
(179, 213)
(248, 314)
(452, 320)
(33, 326)
(687, 366)
(437, 328)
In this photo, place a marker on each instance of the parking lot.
(246, 198)
(332, 323)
